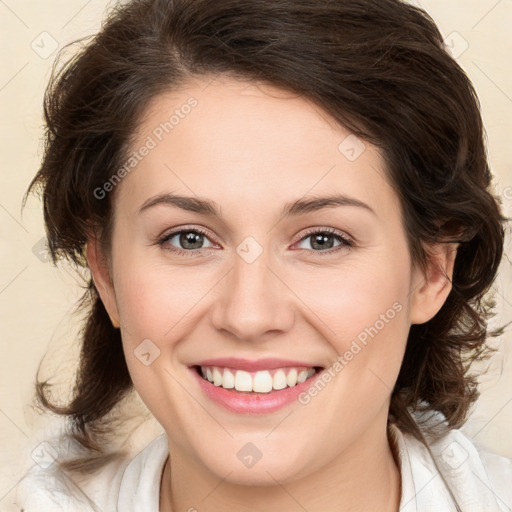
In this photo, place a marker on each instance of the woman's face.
(267, 283)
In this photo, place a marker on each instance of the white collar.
(423, 488)
(446, 476)
(140, 484)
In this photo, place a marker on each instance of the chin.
(245, 464)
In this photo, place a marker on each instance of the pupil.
(194, 239)
(321, 241)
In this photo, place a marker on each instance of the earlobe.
(431, 289)
(102, 278)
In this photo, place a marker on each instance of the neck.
(365, 477)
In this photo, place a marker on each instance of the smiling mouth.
(260, 382)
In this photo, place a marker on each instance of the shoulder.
(46, 487)
(476, 474)
(140, 485)
(456, 467)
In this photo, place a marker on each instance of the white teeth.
(217, 377)
(303, 375)
(228, 380)
(243, 381)
(260, 382)
(291, 378)
(279, 380)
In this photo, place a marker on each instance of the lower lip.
(245, 403)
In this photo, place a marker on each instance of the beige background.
(36, 300)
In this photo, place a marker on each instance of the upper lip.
(253, 365)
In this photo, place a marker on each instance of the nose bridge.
(253, 300)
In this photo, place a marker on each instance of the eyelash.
(346, 242)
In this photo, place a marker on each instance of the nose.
(254, 302)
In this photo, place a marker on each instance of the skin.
(252, 149)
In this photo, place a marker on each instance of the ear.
(101, 276)
(432, 287)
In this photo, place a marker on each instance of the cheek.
(156, 307)
(362, 312)
(352, 299)
(155, 300)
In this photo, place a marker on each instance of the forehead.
(239, 112)
(240, 141)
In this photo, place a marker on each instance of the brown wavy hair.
(378, 67)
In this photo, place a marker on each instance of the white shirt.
(479, 480)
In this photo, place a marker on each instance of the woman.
(285, 209)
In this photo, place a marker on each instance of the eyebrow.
(298, 207)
